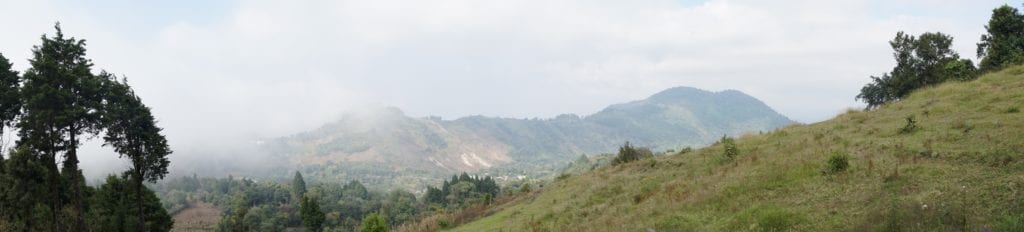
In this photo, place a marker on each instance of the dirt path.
(198, 216)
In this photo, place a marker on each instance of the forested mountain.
(386, 147)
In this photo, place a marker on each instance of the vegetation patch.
(837, 163)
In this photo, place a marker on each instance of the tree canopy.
(921, 61)
(1003, 43)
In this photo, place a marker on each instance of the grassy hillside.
(960, 167)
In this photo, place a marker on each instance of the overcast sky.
(213, 70)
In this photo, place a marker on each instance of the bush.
(628, 153)
(910, 127)
(837, 163)
(1013, 109)
(730, 150)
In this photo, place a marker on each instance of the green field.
(958, 167)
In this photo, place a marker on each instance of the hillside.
(387, 147)
(959, 167)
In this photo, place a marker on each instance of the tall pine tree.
(132, 131)
(298, 187)
(61, 100)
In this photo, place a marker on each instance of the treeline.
(462, 190)
(927, 59)
(54, 106)
(324, 206)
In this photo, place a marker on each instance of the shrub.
(628, 153)
(837, 163)
(730, 150)
(910, 127)
(374, 222)
(1013, 109)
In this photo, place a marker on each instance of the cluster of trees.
(927, 59)
(53, 107)
(462, 190)
(323, 206)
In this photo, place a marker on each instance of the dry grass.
(197, 217)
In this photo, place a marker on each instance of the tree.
(356, 190)
(399, 206)
(110, 208)
(60, 99)
(132, 131)
(24, 190)
(921, 61)
(312, 218)
(373, 222)
(298, 187)
(235, 221)
(10, 102)
(434, 195)
(1003, 45)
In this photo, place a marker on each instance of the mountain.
(387, 147)
(946, 158)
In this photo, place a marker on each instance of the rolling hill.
(386, 147)
(947, 158)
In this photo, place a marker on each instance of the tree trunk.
(138, 194)
(55, 205)
(72, 171)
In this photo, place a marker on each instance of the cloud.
(251, 69)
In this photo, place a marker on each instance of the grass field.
(958, 167)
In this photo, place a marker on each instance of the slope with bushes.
(945, 158)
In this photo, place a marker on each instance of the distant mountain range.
(386, 147)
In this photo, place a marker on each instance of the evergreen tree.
(1003, 45)
(298, 187)
(132, 131)
(24, 192)
(10, 102)
(111, 208)
(434, 195)
(60, 100)
(312, 218)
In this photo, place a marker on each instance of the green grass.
(960, 167)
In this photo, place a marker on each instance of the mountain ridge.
(388, 139)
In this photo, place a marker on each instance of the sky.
(214, 71)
